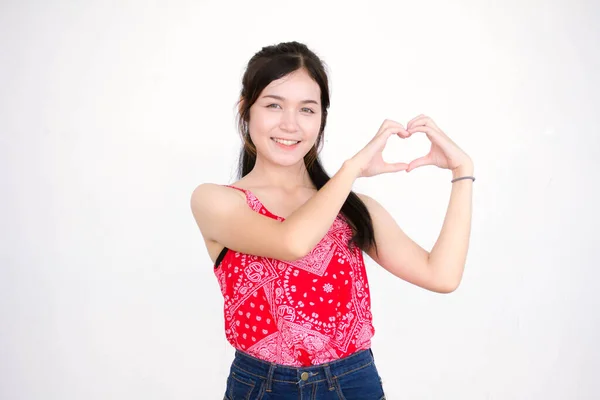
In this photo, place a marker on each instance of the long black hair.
(275, 62)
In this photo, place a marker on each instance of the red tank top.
(307, 312)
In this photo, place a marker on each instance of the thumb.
(419, 162)
(395, 167)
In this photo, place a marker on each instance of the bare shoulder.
(369, 201)
(223, 216)
(380, 216)
(215, 197)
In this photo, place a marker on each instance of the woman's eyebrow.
(308, 101)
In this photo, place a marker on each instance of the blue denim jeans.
(351, 378)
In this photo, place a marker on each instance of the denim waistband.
(273, 372)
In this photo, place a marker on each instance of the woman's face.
(285, 119)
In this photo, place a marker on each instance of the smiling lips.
(286, 143)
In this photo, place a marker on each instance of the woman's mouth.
(289, 144)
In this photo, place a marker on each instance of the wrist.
(351, 166)
(466, 169)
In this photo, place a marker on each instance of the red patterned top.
(307, 312)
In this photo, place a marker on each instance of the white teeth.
(286, 142)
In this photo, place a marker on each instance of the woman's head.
(285, 95)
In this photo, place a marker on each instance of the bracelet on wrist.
(463, 177)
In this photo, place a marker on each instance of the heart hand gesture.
(444, 153)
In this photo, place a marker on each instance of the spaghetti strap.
(255, 204)
(238, 188)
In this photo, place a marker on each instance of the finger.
(404, 133)
(395, 130)
(436, 137)
(395, 167)
(434, 134)
(423, 121)
(420, 162)
(428, 122)
(392, 128)
(381, 138)
(412, 120)
(420, 121)
(388, 123)
(430, 131)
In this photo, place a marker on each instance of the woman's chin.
(286, 161)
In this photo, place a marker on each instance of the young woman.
(287, 240)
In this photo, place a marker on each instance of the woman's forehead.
(297, 85)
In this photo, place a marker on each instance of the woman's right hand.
(370, 161)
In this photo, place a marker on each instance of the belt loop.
(328, 376)
(270, 376)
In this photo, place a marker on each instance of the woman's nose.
(288, 121)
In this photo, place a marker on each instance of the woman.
(287, 240)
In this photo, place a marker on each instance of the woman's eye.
(304, 109)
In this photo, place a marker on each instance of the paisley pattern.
(307, 312)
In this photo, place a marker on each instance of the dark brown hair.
(275, 62)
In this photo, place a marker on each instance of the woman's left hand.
(444, 153)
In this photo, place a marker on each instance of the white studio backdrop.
(111, 113)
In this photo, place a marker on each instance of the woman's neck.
(284, 177)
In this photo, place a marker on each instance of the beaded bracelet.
(463, 177)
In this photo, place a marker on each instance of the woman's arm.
(441, 269)
(449, 254)
(222, 215)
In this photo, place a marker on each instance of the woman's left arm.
(441, 269)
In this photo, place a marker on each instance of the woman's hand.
(370, 160)
(444, 153)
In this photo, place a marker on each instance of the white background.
(111, 113)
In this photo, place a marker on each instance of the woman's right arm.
(223, 216)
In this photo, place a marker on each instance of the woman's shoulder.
(367, 200)
(215, 194)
